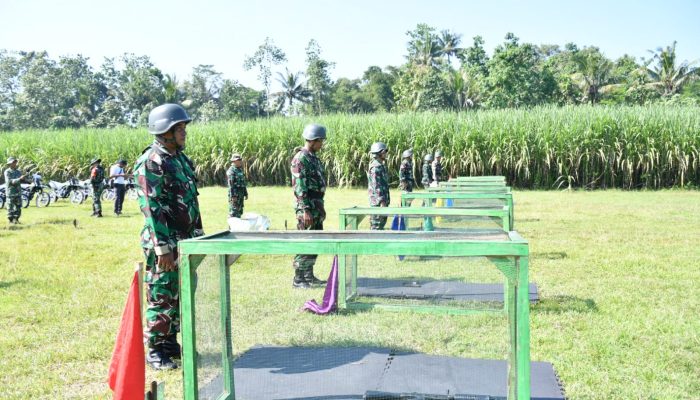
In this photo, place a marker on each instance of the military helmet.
(428, 157)
(95, 161)
(11, 160)
(438, 153)
(377, 147)
(164, 117)
(314, 132)
(407, 153)
(236, 157)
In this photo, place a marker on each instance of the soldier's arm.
(149, 177)
(231, 181)
(299, 179)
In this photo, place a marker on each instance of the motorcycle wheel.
(77, 197)
(43, 199)
(25, 201)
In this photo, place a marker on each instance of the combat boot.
(171, 348)
(309, 277)
(157, 359)
(299, 279)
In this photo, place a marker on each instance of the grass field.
(617, 273)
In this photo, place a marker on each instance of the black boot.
(157, 359)
(309, 277)
(299, 280)
(171, 348)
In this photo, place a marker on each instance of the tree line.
(440, 73)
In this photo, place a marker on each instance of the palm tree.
(171, 91)
(292, 89)
(424, 48)
(466, 89)
(593, 73)
(449, 44)
(669, 78)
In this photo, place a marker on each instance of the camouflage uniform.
(168, 200)
(378, 191)
(237, 191)
(427, 175)
(309, 188)
(97, 177)
(437, 171)
(13, 193)
(406, 181)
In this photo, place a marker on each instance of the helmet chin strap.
(164, 140)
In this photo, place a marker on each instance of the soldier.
(13, 190)
(378, 184)
(406, 181)
(437, 168)
(167, 190)
(237, 190)
(309, 186)
(97, 181)
(427, 177)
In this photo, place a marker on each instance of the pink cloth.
(330, 296)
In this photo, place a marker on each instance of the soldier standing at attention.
(437, 168)
(406, 181)
(378, 184)
(97, 178)
(309, 186)
(167, 190)
(427, 177)
(13, 190)
(237, 190)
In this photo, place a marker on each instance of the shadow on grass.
(51, 221)
(565, 304)
(550, 255)
(5, 285)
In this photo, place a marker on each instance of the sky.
(354, 34)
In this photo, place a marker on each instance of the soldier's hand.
(234, 199)
(166, 262)
(307, 219)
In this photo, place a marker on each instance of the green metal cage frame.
(430, 196)
(508, 251)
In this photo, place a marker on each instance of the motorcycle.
(36, 189)
(71, 189)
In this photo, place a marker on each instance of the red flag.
(127, 371)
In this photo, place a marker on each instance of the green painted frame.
(491, 178)
(429, 196)
(508, 250)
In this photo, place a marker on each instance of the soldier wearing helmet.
(309, 185)
(13, 190)
(167, 190)
(406, 181)
(437, 168)
(427, 176)
(237, 190)
(378, 187)
(97, 180)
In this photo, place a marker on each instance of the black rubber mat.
(435, 290)
(334, 373)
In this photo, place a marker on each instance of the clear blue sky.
(354, 34)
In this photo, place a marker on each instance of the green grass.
(617, 273)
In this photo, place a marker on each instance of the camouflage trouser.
(406, 186)
(163, 300)
(14, 207)
(235, 206)
(318, 215)
(377, 222)
(97, 199)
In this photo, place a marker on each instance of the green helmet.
(164, 117)
(95, 161)
(407, 153)
(313, 132)
(438, 153)
(428, 157)
(377, 147)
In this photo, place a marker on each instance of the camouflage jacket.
(437, 171)
(13, 185)
(406, 180)
(307, 180)
(168, 193)
(236, 182)
(427, 178)
(97, 175)
(378, 184)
